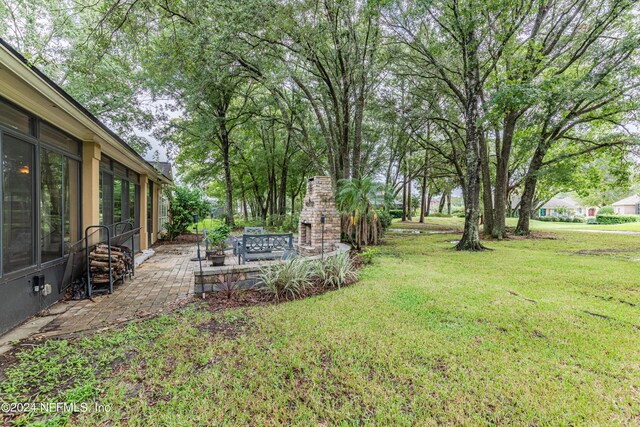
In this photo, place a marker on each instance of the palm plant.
(357, 200)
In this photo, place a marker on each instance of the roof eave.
(76, 110)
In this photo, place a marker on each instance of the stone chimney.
(319, 201)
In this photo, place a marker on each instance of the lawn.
(536, 332)
(205, 223)
(455, 223)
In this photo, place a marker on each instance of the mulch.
(240, 298)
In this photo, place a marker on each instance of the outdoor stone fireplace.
(319, 200)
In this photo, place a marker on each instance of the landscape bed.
(535, 332)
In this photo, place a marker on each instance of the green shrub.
(395, 213)
(288, 279)
(335, 272)
(617, 219)
(368, 254)
(385, 218)
(183, 203)
(606, 210)
(277, 223)
(252, 222)
(217, 238)
(576, 219)
(442, 215)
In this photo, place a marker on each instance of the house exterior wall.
(24, 89)
(156, 210)
(144, 187)
(557, 212)
(18, 301)
(625, 209)
(589, 212)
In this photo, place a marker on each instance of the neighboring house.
(628, 206)
(62, 171)
(566, 206)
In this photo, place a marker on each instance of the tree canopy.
(501, 99)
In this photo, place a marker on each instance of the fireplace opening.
(305, 234)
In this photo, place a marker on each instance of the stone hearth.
(319, 200)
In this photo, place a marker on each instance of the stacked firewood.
(121, 263)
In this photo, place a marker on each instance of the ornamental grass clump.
(289, 279)
(335, 272)
(299, 277)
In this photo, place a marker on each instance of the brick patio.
(160, 283)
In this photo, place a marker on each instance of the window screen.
(18, 210)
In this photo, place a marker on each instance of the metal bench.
(237, 240)
(264, 246)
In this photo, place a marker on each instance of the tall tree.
(458, 44)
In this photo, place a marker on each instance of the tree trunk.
(282, 194)
(529, 192)
(404, 198)
(426, 214)
(345, 130)
(449, 202)
(245, 208)
(357, 137)
(423, 200)
(470, 240)
(443, 199)
(224, 143)
(486, 186)
(423, 190)
(409, 213)
(502, 177)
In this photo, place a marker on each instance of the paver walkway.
(163, 281)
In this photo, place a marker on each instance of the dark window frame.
(77, 154)
(128, 177)
(33, 138)
(35, 202)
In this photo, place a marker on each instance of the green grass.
(536, 332)
(211, 223)
(205, 223)
(431, 223)
(455, 223)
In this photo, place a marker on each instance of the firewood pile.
(121, 263)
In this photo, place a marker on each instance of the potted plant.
(216, 241)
